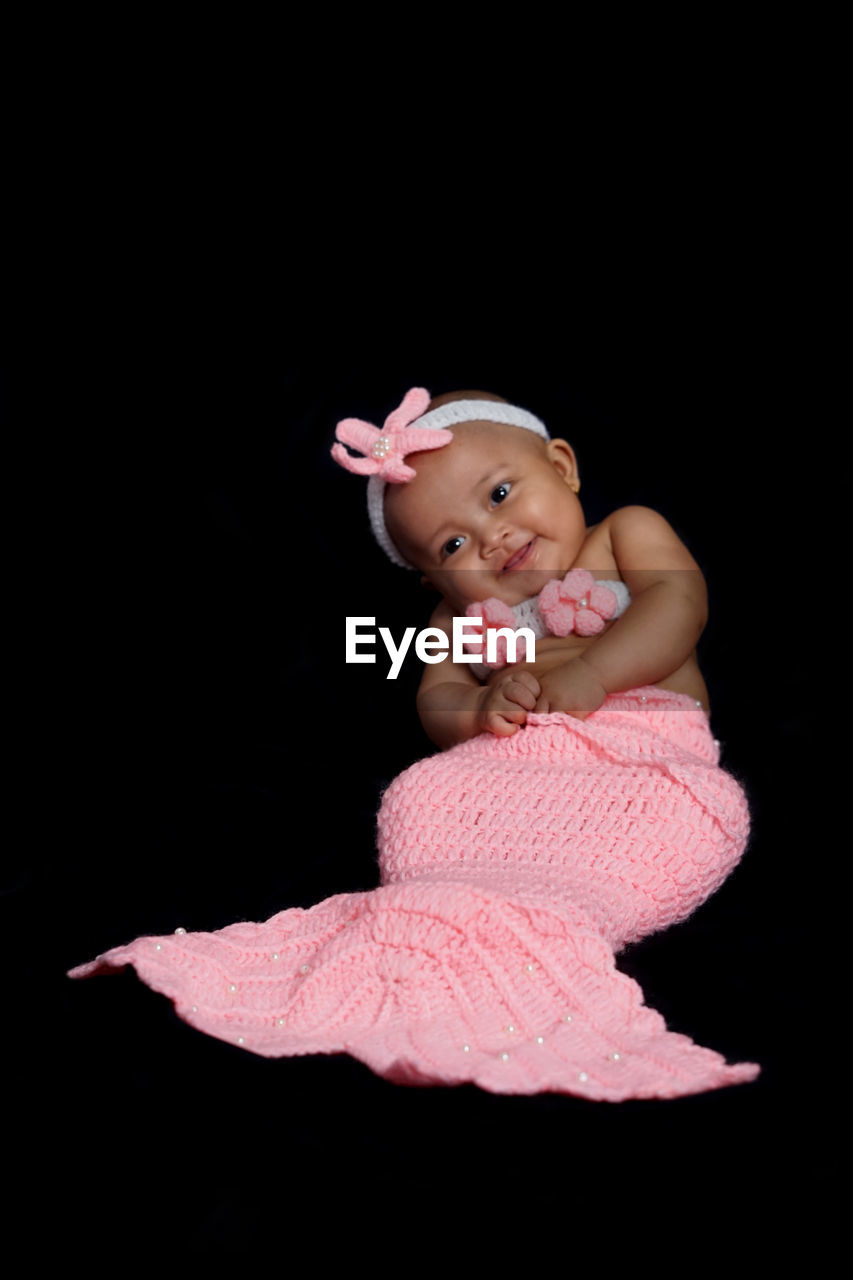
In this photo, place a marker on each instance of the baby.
(494, 515)
(578, 804)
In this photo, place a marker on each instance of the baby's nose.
(494, 535)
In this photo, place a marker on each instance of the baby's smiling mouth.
(519, 557)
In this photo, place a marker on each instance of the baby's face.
(493, 513)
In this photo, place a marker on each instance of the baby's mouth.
(519, 557)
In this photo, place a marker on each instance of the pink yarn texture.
(512, 872)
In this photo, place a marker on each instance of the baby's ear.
(563, 459)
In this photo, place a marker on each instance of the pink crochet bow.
(576, 604)
(385, 450)
(495, 614)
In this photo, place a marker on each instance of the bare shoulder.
(634, 517)
(641, 538)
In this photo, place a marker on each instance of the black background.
(208, 551)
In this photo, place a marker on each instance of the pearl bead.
(281, 1022)
(274, 955)
(528, 968)
(510, 1028)
(583, 1077)
(504, 1057)
(540, 1039)
(643, 698)
(240, 1040)
(232, 988)
(582, 603)
(615, 1057)
(195, 1008)
(158, 947)
(305, 968)
(466, 1048)
(568, 1017)
(180, 931)
(698, 703)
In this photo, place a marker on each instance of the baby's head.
(491, 510)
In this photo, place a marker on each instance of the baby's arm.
(656, 634)
(454, 706)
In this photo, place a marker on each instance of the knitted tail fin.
(432, 983)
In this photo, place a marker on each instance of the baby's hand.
(506, 700)
(573, 688)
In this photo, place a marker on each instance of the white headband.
(446, 416)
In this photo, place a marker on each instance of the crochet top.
(579, 603)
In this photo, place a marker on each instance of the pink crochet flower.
(385, 450)
(576, 604)
(495, 614)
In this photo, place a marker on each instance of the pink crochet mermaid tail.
(513, 869)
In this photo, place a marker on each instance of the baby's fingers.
(504, 717)
(523, 689)
(500, 725)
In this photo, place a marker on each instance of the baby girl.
(577, 804)
(497, 516)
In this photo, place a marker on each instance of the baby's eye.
(500, 493)
(452, 544)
